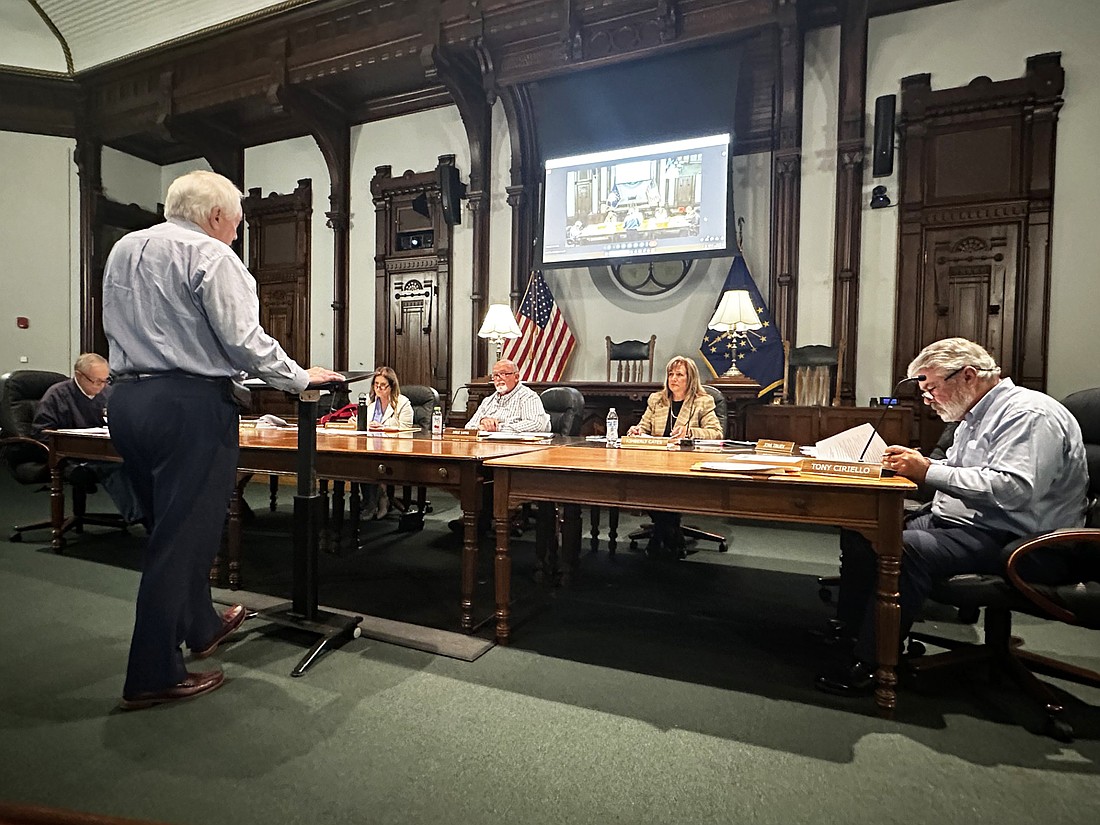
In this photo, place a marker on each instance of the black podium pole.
(302, 612)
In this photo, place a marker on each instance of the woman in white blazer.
(387, 409)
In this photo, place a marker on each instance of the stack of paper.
(860, 443)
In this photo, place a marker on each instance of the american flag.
(543, 350)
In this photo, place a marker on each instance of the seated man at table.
(1016, 467)
(82, 403)
(513, 408)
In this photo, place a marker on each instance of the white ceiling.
(94, 32)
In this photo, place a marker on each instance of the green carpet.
(646, 693)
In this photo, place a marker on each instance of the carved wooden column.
(523, 190)
(88, 157)
(461, 74)
(330, 129)
(786, 173)
(849, 188)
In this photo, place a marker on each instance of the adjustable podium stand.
(302, 612)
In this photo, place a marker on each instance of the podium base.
(335, 630)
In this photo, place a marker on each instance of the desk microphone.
(885, 410)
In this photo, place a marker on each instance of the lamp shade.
(499, 323)
(735, 313)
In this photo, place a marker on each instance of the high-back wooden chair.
(630, 361)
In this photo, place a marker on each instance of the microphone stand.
(885, 410)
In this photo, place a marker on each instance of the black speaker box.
(451, 193)
(882, 162)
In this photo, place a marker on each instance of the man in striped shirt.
(513, 408)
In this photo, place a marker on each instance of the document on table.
(860, 443)
(98, 432)
(498, 436)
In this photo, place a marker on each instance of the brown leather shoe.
(231, 620)
(196, 684)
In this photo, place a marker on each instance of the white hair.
(192, 197)
(950, 354)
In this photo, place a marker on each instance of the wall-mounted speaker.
(451, 193)
(882, 159)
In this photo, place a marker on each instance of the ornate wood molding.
(849, 189)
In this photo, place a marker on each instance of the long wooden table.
(664, 480)
(457, 466)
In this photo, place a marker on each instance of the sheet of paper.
(99, 432)
(498, 436)
(860, 443)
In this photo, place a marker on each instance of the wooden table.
(457, 466)
(664, 480)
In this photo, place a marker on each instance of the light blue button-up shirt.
(175, 298)
(1017, 465)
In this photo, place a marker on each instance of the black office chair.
(565, 406)
(424, 400)
(28, 460)
(1075, 600)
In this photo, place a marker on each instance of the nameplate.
(851, 469)
(340, 425)
(643, 442)
(460, 433)
(766, 445)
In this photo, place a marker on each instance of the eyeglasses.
(496, 375)
(928, 392)
(95, 382)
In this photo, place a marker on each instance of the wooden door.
(969, 283)
(279, 259)
(976, 204)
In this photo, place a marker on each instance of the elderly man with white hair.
(182, 320)
(1016, 467)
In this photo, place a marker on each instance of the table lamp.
(498, 325)
(734, 317)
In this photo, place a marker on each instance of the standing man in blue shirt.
(181, 316)
(1016, 467)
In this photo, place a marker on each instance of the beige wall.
(39, 268)
(40, 237)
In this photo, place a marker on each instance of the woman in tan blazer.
(682, 409)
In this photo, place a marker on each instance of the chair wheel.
(723, 547)
(825, 594)
(915, 648)
(969, 615)
(1058, 729)
(15, 537)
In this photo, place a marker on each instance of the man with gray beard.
(1016, 467)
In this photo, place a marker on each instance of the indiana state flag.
(758, 353)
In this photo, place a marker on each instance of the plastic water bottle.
(612, 427)
(437, 423)
(363, 413)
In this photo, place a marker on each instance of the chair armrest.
(14, 440)
(1065, 535)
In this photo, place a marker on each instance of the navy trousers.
(932, 550)
(178, 439)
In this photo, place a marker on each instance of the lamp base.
(733, 376)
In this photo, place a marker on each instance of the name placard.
(767, 445)
(643, 442)
(851, 469)
(460, 433)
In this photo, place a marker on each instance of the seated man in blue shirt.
(81, 403)
(1016, 467)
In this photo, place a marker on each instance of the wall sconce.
(735, 317)
(498, 325)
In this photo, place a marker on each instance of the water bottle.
(437, 423)
(362, 422)
(612, 427)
